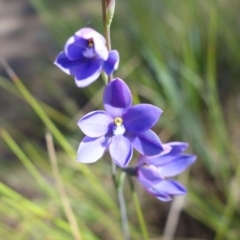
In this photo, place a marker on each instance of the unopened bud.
(110, 11)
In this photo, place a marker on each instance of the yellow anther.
(90, 43)
(118, 121)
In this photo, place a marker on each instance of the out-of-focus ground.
(27, 46)
(21, 31)
(23, 39)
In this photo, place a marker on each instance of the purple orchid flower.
(120, 128)
(85, 55)
(153, 171)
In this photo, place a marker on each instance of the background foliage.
(182, 56)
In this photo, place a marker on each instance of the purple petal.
(88, 33)
(149, 175)
(120, 150)
(166, 149)
(87, 72)
(91, 149)
(117, 97)
(148, 160)
(177, 165)
(72, 50)
(98, 40)
(95, 124)
(164, 197)
(141, 117)
(159, 195)
(64, 63)
(100, 48)
(111, 64)
(80, 41)
(177, 148)
(170, 187)
(147, 143)
(158, 160)
(142, 160)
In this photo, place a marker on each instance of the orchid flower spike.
(85, 55)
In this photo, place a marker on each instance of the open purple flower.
(153, 171)
(120, 128)
(85, 55)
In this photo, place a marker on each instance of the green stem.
(118, 185)
(106, 31)
(122, 206)
(139, 211)
(114, 173)
(121, 201)
(105, 25)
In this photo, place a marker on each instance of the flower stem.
(139, 211)
(105, 25)
(122, 206)
(114, 173)
(117, 184)
(121, 201)
(106, 31)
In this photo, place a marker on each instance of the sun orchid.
(85, 55)
(153, 172)
(120, 128)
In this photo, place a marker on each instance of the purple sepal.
(87, 73)
(159, 195)
(74, 48)
(98, 40)
(170, 187)
(92, 149)
(64, 63)
(178, 165)
(149, 175)
(147, 143)
(95, 124)
(117, 98)
(141, 117)
(111, 64)
(121, 150)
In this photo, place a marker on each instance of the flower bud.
(110, 11)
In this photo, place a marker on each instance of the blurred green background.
(182, 56)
